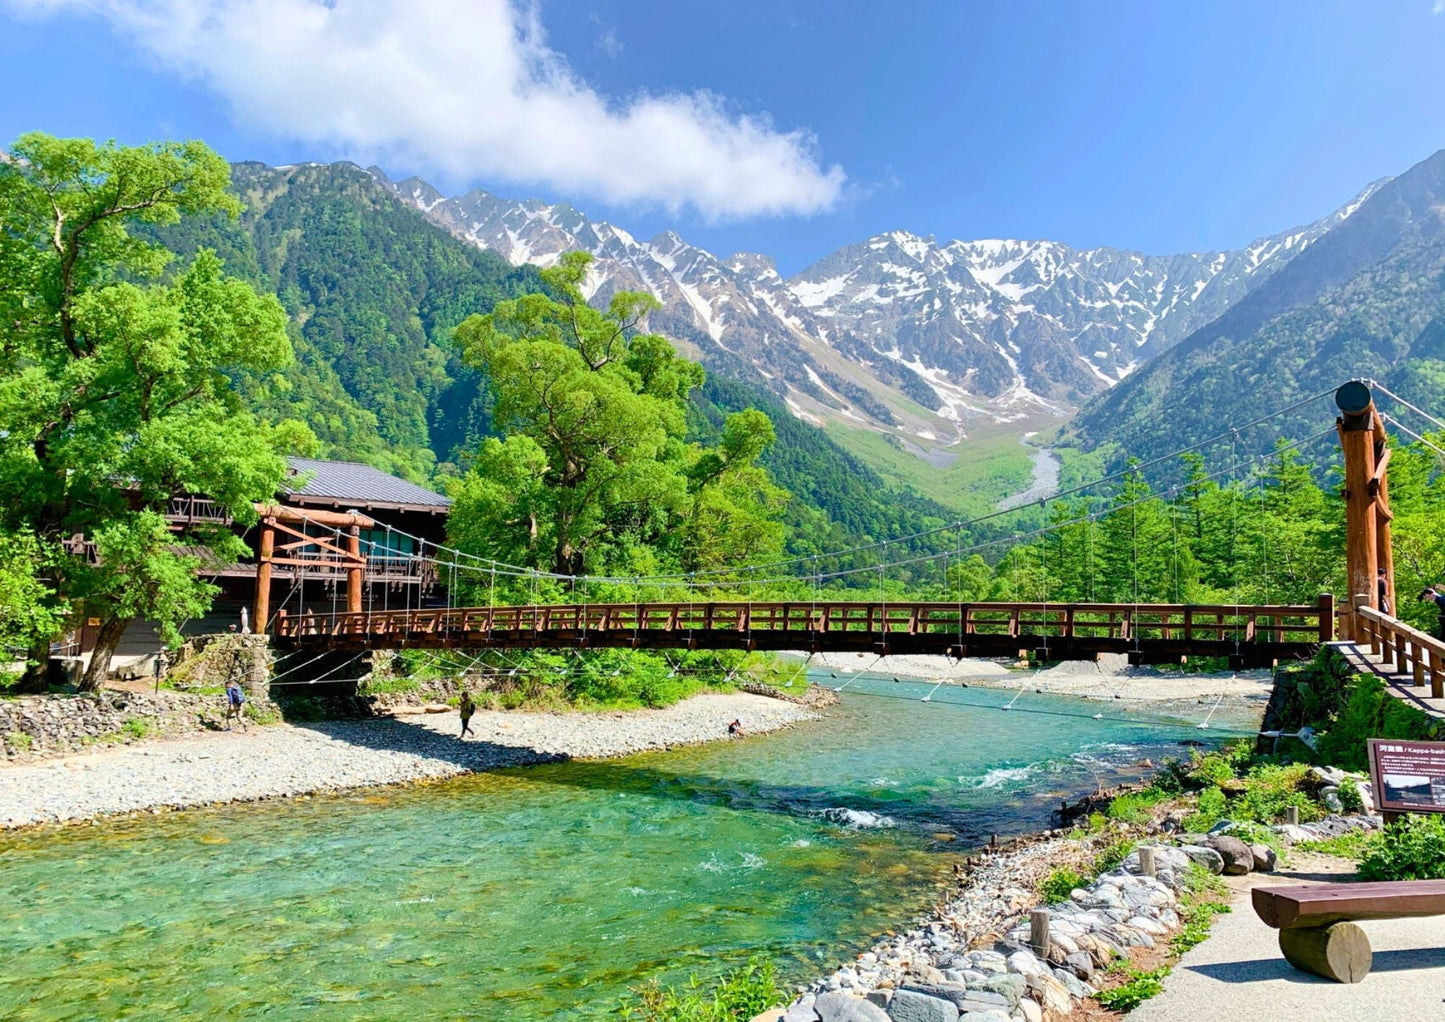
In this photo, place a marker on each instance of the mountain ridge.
(898, 333)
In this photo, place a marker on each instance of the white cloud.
(470, 88)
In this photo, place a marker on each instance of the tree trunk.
(111, 630)
(37, 667)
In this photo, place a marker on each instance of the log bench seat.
(1316, 922)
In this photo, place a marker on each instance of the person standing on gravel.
(235, 704)
(466, 708)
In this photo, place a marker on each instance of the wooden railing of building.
(1411, 651)
(1148, 633)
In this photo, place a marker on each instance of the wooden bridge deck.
(1147, 633)
(1410, 662)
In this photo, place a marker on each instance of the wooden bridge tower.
(329, 560)
(1367, 502)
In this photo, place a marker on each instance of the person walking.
(1434, 594)
(235, 704)
(466, 708)
(1382, 586)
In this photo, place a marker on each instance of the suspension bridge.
(1247, 635)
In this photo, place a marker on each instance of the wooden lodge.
(306, 573)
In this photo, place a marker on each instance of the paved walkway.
(1238, 973)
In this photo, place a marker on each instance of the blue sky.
(786, 128)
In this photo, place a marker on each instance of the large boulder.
(1238, 859)
(912, 1006)
(840, 1007)
(1206, 857)
(1264, 858)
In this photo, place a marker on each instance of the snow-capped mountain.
(899, 332)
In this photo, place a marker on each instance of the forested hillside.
(374, 290)
(1367, 299)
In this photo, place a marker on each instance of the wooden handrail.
(991, 628)
(1412, 651)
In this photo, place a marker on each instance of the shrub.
(1269, 789)
(1059, 884)
(1209, 811)
(19, 741)
(1369, 712)
(136, 727)
(1111, 855)
(736, 997)
(1412, 849)
(1350, 800)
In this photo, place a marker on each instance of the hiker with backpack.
(466, 708)
(235, 703)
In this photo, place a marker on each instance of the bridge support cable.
(859, 674)
(1204, 724)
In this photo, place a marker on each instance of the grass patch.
(136, 728)
(736, 997)
(1138, 988)
(986, 467)
(1347, 846)
(259, 715)
(19, 741)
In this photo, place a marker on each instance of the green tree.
(114, 394)
(593, 472)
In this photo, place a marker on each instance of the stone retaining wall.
(209, 661)
(37, 726)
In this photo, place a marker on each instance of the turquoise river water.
(544, 892)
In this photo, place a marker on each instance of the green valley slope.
(1366, 300)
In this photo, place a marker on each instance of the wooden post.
(1380, 487)
(354, 573)
(1357, 441)
(262, 609)
(1039, 931)
(1327, 617)
(1291, 815)
(1146, 861)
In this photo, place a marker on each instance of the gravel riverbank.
(286, 760)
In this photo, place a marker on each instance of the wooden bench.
(1316, 922)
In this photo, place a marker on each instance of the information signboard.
(1409, 777)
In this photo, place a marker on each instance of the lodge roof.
(356, 485)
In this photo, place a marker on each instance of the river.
(545, 892)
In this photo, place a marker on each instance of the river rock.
(840, 1007)
(993, 1015)
(1051, 994)
(1238, 859)
(1011, 986)
(954, 993)
(801, 1011)
(1264, 858)
(1206, 857)
(1029, 1008)
(1080, 964)
(1294, 833)
(911, 1006)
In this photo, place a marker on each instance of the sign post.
(1408, 777)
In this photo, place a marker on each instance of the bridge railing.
(1179, 622)
(1412, 651)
